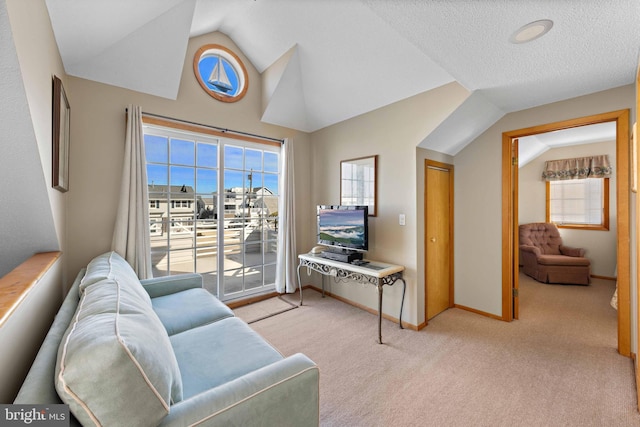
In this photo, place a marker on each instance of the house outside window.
(176, 204)
(217, 209)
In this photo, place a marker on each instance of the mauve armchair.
(547, 260)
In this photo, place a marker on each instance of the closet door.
(439, 238)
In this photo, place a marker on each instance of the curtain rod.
(223, 130)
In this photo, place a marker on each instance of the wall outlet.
(402, 219)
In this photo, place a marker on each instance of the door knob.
(433, 239)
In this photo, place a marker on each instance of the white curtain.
(131, 234)
(286, 260)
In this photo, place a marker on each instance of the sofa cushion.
(109, 266)
(115, 363)
(188, 309)
(219, 352)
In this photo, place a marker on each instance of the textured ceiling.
(354, 56)
(592, 46)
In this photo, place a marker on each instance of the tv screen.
(344, 226)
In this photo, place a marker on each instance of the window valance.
(578, 168)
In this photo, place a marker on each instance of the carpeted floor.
(556, 366)
(261, 310)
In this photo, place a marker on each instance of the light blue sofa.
(165, 352)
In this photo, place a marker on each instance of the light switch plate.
(402, 219)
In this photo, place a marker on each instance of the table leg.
(300, 283)
(379, 313)
(404, 289)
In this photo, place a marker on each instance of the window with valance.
(578, 192)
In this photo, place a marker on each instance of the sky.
(205, 67)
(341, 217)
(195, 164)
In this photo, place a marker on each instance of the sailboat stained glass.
(218, 77)
(220, 73)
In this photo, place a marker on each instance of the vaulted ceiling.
(353, 56)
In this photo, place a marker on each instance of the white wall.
(600, 245)
(478, 195)
(97, 152)
(39, 62)
(28, 222)
(33, 213)
(391, 132)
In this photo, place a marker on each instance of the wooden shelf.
(15, 286)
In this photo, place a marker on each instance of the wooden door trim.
(509, 225)
(450, 168)
(635, 166)
(515, 285)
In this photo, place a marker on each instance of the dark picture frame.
(61, 122)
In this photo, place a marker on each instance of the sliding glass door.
(249, 217)
(213, 209)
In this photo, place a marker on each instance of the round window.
(220, 73)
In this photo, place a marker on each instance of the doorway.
(438, 237)
(510, 267)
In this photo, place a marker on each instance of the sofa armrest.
(531, 249)
(166, 285)
(285, 393)
(569, 251)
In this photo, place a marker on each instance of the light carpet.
(261, 310)
(556, 366)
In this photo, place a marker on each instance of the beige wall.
(478, 195)
(391, 132)
(39, 62)
(97, 131)
(36, 219)
(600, 245)
(32, 215)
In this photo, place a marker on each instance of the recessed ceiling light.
(531, 31)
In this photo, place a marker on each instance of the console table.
(375, 273)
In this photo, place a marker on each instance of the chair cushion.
(541, 235)
(562, 260)
(188, 309)
(219, 352)
(115, 363)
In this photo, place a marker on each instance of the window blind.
(577, 201)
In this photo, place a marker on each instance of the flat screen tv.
(344, 227)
